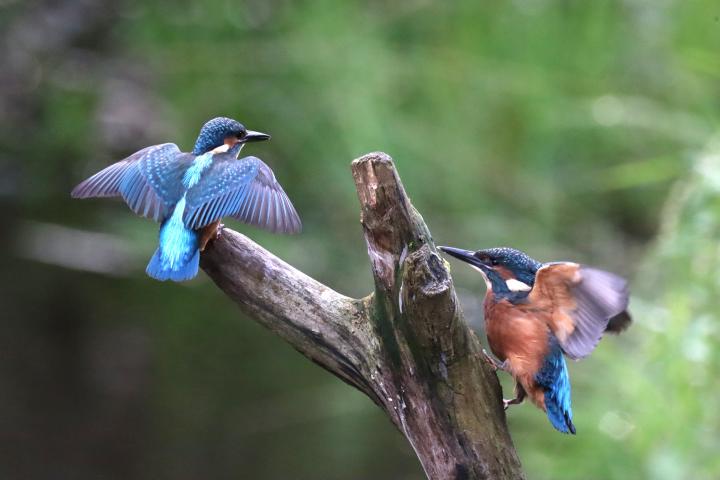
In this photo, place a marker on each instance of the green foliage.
(570, 130)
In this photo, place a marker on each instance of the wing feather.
(245, 189)
(106, 183)
(149, 180)
(583, 301)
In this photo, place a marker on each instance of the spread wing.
(245, 189)
(585, 302)
(150, 180)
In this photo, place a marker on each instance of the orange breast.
(518, 335)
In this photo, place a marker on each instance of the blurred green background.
(571, 130)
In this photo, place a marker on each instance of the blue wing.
(245, 189)
(150, 180)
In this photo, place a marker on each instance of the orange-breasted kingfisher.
(537, 313)
(189, 193)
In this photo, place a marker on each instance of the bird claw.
(490, 360)
(208, 235)
(513, 401)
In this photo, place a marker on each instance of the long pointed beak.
(252, 136)
(466, 256)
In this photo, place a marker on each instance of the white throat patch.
(516, 285)
(487, 280)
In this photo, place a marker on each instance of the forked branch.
(406, 345)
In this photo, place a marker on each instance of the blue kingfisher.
(190, 193)
(537, 312)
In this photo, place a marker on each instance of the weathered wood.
(325, 326)
(406, 345)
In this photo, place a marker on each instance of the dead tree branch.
(406, 345)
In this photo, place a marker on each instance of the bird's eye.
(494, 262)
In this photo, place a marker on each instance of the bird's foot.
(520, 395)
(492, 361)
(209, 233)
(511, 401)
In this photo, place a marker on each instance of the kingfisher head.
(506, 270)
(225, 131)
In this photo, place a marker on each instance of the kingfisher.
(538, 313)
(190, 193)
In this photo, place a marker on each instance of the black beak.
(251, 136)
(466, 256)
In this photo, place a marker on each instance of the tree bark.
(406, 345)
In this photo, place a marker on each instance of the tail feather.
(160, 270)
(178, 256)
(559, 413)
(554, 378)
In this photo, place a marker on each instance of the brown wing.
(619, 323)
(583, 300)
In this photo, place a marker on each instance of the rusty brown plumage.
(518, 335)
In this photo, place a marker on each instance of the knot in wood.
(425, 274)
(430, 304)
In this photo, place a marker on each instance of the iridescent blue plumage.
(553, 377)
(186, 192)
(178, 254)
(214, 133)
